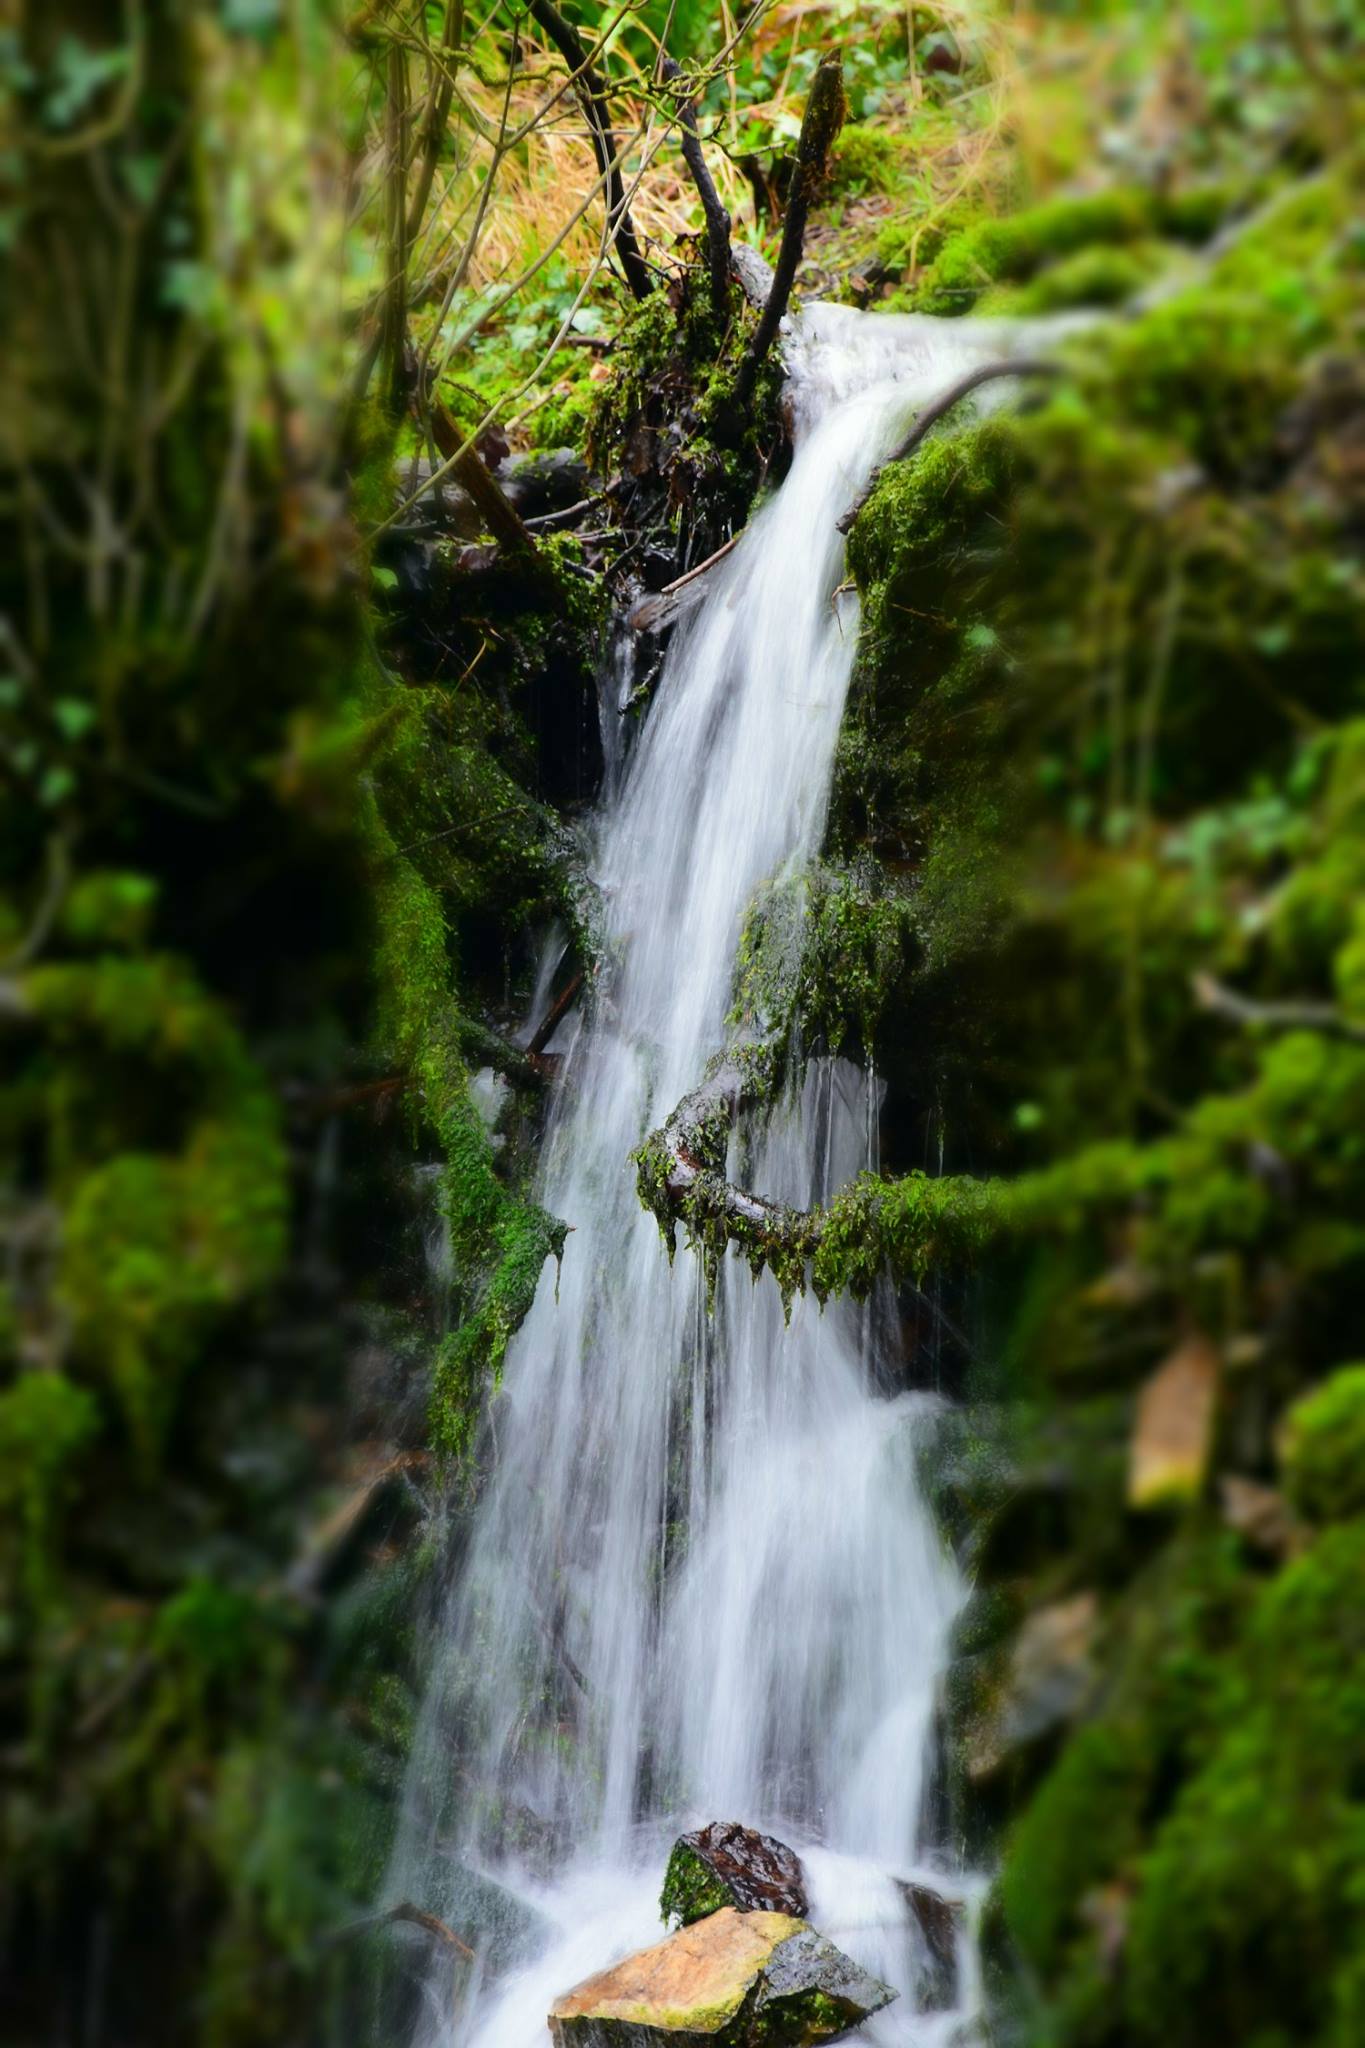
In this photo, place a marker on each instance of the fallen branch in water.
(653, 613)
(409, 1915)
(820, 125)
(911, 1225)
(545, 1030)
(931, 414)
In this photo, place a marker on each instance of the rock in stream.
(727, 1864)
(731, 1980)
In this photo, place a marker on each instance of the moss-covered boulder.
(727, 1864)
(732, 1980)
(1323, 1448)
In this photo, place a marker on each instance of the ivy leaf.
(78, 74)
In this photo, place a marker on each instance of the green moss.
(111, 908)
(1247, 1905)
(499, 1241)
(915, 1224)
(1014, 249)
(158, 1249)
(1323, 1448)
(867, 158)
(1083, 1824)
(691, 1889)
(46, 1422)
(1099, 276)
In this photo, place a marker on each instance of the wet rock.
(1051, 1673)
(727, 1864)
(732, 1980)
(1173, 1430)
(937, 1919)
(1260, 1515)
(545, 482)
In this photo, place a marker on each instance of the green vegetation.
(691, 1888)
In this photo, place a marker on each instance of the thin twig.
(1221, 1001)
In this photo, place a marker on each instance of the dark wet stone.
(937, 1918)
(727, 1864)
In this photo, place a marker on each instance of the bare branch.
(820, 125)
(594, 100)
(1221, 1001)
(717, 219)
(931, 414)
(653, 613)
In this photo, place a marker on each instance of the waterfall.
(700, 1582)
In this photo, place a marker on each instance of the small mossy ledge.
(499, 1241)
(1040, 241)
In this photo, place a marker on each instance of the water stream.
(700, 1581)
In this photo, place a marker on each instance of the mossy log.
(911, 1224)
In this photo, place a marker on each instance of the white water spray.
(701, 1583)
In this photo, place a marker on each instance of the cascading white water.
(700, 1583)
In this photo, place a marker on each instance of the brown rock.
(1050, 1676)
(727, 1864)
(1260, 1515)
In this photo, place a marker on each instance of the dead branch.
(593, 97)
(325, 1543)
(823, 118)
(660, 609)
(930, 415)
(472, 473)
(1221, 1001)
(717, 218)
(409, 1915)
(439, 94)
(545, 1030)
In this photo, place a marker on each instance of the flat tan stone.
(1173, 1431)
(695, 1981)
(731, 1980)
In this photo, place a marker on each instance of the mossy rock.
(726, 1864)
(1324, 1448)
(732, 1980)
